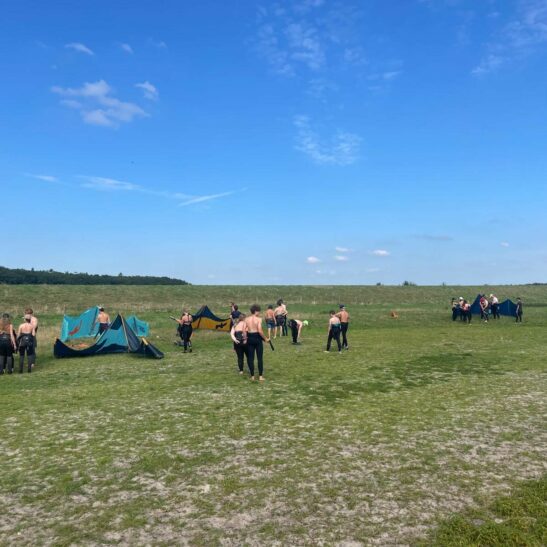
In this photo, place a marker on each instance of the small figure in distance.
(104, 321)
(25, 341)
(394, 314)
(234, 313)
(334, 331)
(270, 321)
(483, 303)
(456, 309)
(296, 329)
(185, 330)
(495, 306)
(7, 344)
(460, 302)
(518, 311)
(280, 314)
(343, 315)
(34, 323)
(255, 337)
(239, 336)
(466, 312)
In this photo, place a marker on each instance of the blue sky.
(311, 141)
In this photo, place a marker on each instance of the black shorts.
(280, 320)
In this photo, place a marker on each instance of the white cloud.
(127, 48)
(102, 183)
(341, 258)
(45, 178)
(340, 149)
(150, 91)
(201, 199)
(111, 112)
(342, 250)
(490, 63)
(380, 252)
(504, 244)
(313, 260)
(79, 47)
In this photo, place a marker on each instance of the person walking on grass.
(7, 344)
(26, 336)
(270, 321)
(518, 311)
(495, 306)
(483, 303)
(334, 331)
(185, 330)
(255, 339)
(296, 329)
(343, 315)
(239, 336)
(34, 323)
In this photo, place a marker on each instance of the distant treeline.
(50, 277)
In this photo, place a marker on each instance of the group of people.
(489, 308)
(248, 336)
(22, 341)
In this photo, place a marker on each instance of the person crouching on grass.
(255, 337)
(25, 341)
(296, 328)
(335, 328)
(239, 336)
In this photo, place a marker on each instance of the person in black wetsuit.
(239, 336)
(26, 343)
(7, 344)
(518, 312)
(185, 330)
(335, 328)
(255, 337)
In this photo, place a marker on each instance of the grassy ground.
(417, 434)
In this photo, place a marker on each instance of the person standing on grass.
(255, 337)
(25, 341)
(518, 311)
(185, 330)
(296, 329)
(343, 315)
(455, 309)
(466, 312)
(495, 306)
(239, 336)
(334, 331)
(280, 314)
(483, 303)
(34, 323)
(270, 321)
(7, 344)
(104, 320)
(461, 303)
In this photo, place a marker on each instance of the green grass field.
(425, 432)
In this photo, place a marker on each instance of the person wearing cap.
(296, 328)
(495, 306)
(104, 320)
(25, 341)
(343, 315)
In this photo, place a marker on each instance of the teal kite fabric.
(140, 328)
(81, 326)
(119, 338)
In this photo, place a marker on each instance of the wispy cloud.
(102, 183)
(342, 250)
(127, 48)
(340, 149)
(341, 258)
(381, 252)
(79, 47)
(313, 260)
(201, 199)
(150, 91)
(523, 35)
(160, 44)
(97, 106)
(434, 237)
(45, 178)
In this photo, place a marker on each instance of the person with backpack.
(335, 328)
(26, 343)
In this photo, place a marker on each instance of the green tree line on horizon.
(19, 276)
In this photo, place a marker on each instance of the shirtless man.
(280, 318)
(270, 321)
(34, 323)
(255, 337)
(334, 331)
(185, 330)
(343, 315)
(104, 320)
(25, 338)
